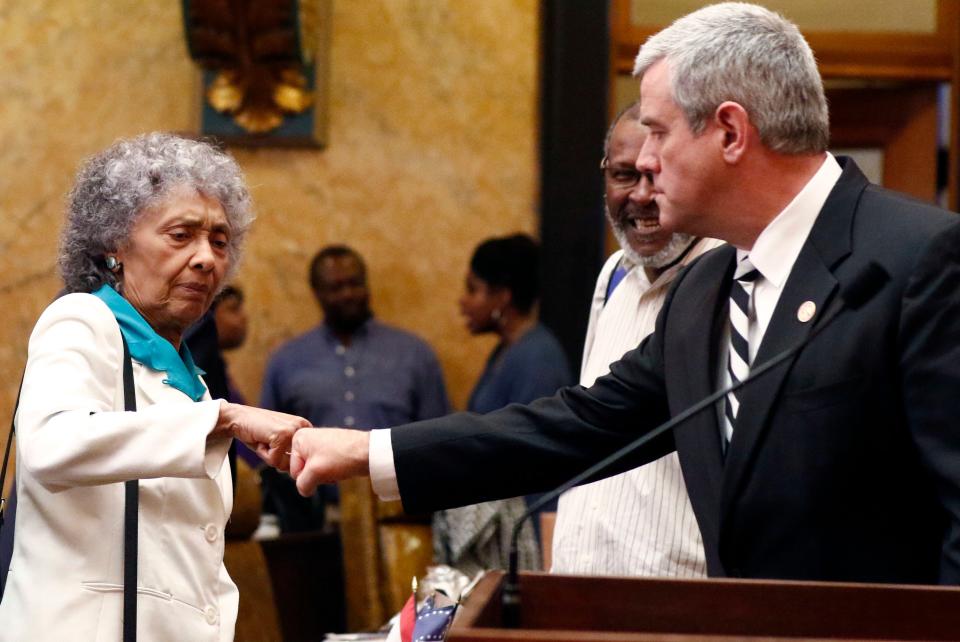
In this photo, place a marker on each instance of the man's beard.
(347, 323)
(669, 253)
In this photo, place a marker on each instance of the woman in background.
(502, 288)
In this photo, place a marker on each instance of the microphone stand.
(859, 290)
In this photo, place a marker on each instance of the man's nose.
(647, 162)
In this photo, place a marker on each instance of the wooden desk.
(594, 609)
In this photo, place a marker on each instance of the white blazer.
(75, 448)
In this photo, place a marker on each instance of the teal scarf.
(152, 350)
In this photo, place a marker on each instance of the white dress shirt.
(639, 522)
(773, 255)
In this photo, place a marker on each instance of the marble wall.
(432, 147)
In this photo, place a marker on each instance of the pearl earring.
(112, 264)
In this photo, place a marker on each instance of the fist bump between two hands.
(314, 456)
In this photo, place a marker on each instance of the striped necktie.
(742, 315)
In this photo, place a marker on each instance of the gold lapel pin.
(806, 311)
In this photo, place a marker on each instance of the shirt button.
(348, 421)
(349, 371)
(348, 395)
(211, 533)
(340, 350)
(210, 614)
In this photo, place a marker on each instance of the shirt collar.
(779, 244)
(152, 350)
(359, 334)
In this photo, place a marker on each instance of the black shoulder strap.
(130, 510)
(11, 434)
(6, 453)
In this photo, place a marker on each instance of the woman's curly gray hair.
(114, 187)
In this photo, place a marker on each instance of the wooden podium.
(562, 608)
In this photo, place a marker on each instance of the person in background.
(501, 290)
(222, 328)
(640, 522)
(231, 318)
(349, 370)
(154, 226)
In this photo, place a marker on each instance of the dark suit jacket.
(845, 463)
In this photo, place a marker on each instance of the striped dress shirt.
(639, 522)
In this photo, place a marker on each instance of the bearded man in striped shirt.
(639, 522)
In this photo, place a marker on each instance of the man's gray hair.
(114, 187)
(749, 55)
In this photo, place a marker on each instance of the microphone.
(860, 289)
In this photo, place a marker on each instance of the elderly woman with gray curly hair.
(155, 225)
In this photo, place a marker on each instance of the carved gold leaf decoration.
(256, 48)
(291, 93)
(224, 94)
(259, 121)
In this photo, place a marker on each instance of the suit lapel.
(811, 279)
(695, 327)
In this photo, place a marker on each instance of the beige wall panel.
(432, 147)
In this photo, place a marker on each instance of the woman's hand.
(267, 432)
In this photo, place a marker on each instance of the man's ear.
(734, 124)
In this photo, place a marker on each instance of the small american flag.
(429, 623)
(408, 617)
(434, 619)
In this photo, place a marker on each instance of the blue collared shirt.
(386, 377)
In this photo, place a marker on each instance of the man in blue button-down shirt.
(351, 370)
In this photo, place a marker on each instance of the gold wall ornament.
(260, 65)
(259, 99)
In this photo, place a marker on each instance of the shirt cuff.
(383, 474)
